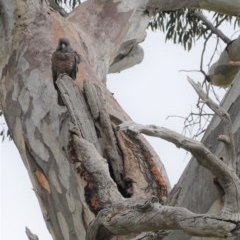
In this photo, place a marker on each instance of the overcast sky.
(149, 92)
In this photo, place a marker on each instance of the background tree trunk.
(197, 189)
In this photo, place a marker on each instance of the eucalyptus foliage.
(184, 27)
(71, 3)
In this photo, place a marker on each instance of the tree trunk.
(78, 163)
(69, 192)
(197, 189)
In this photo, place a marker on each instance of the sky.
(148, 92)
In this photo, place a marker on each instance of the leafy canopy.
(184, 26)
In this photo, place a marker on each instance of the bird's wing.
(74, 66)
(54, 71)
(77, 57)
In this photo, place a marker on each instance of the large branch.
(230, 7)
(149, 215)
(224, 171)
(226, 176)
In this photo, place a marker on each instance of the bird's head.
(64, 45)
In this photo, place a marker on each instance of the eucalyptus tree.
(94, 175)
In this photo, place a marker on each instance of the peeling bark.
(151, 216)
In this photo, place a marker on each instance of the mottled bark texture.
(78, 163)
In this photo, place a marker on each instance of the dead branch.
(231, 157)
(152, 235)
(149, 215)
(226, 176)
(91, 98)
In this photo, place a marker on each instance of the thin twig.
(230, 148)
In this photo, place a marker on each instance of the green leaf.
(183, 27)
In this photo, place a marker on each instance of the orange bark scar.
(160, 180)
(91, 190)
(158, 176)
(42, 180)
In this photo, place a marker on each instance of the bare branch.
(231, 158)
(226, 177)
(149, 215)
(152, 235)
